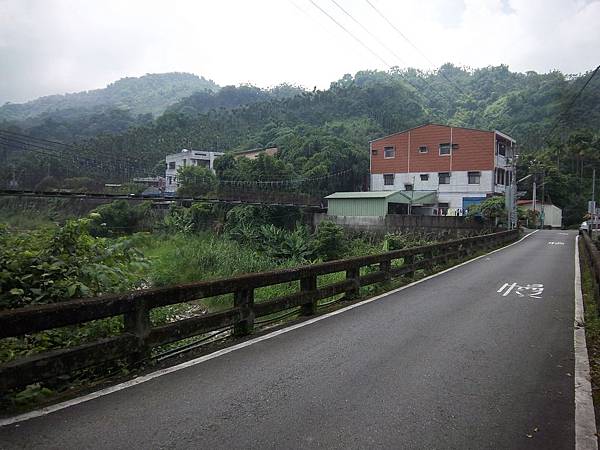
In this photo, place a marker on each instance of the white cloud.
(54, 46)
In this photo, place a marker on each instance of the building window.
(474, 177)
(373, 152)
(500, 176)
(388, 179)
(423, 149)
(389, 152)
(408, 187)
(501, 149)
(172, 165)
(424, 177)
(444, 177)
(445, 149)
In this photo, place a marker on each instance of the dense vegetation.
(325, 132)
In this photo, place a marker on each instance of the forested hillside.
(324, 132)
(149, 94)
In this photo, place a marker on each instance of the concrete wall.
(396, 223)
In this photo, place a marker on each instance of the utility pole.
(593, 198)
(542, 216)
(534, 197)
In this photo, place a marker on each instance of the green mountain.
(149, 94)
(325, 132)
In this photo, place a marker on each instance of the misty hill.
(525, 105)
(323, 132)
(149, 94)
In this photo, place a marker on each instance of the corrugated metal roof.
(369, 194)
(398, 196)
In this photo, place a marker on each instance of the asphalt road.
(447, 363)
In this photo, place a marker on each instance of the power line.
(70, 151)
(351, 35)
(391, 24)
(565, 112)
(417, 88)
(383, 44)
(47, 142)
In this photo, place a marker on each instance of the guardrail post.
(385, 267)
(354, 275)
(244, 299)
(306, 285)
(137, 322)
(409, 260)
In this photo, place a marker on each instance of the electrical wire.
(369, 49)
(418, 90)
(391, 24)
(383, 44)
(49, 144)
(571, 104)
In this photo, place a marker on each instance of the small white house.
(186, 158)
(552, 215)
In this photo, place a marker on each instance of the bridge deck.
(477, 357)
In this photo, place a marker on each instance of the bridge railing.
(140, 336)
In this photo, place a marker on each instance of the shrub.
(491, 209)
(118, 217)
(55, 264)
(330, 241)
(283, 245)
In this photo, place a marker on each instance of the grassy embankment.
(592, 327)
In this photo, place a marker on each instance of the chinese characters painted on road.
(528, 290)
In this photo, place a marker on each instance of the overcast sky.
(57, 46)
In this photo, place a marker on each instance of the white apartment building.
(186, 158)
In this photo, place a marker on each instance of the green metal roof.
(398, 196)
(370, 194)
(416, 197)
(374, 203)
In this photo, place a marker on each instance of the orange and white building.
(463, 165)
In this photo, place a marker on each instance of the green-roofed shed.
(375, 203)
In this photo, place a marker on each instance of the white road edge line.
(193, 362)
(585, 419)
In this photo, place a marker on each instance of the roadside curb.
(585, 419)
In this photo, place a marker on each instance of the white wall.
(452, 193)
(178, 159)
(552, 214)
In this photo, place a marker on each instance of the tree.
(195, 181)
(491, 209)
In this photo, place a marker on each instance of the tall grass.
(179, 258)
